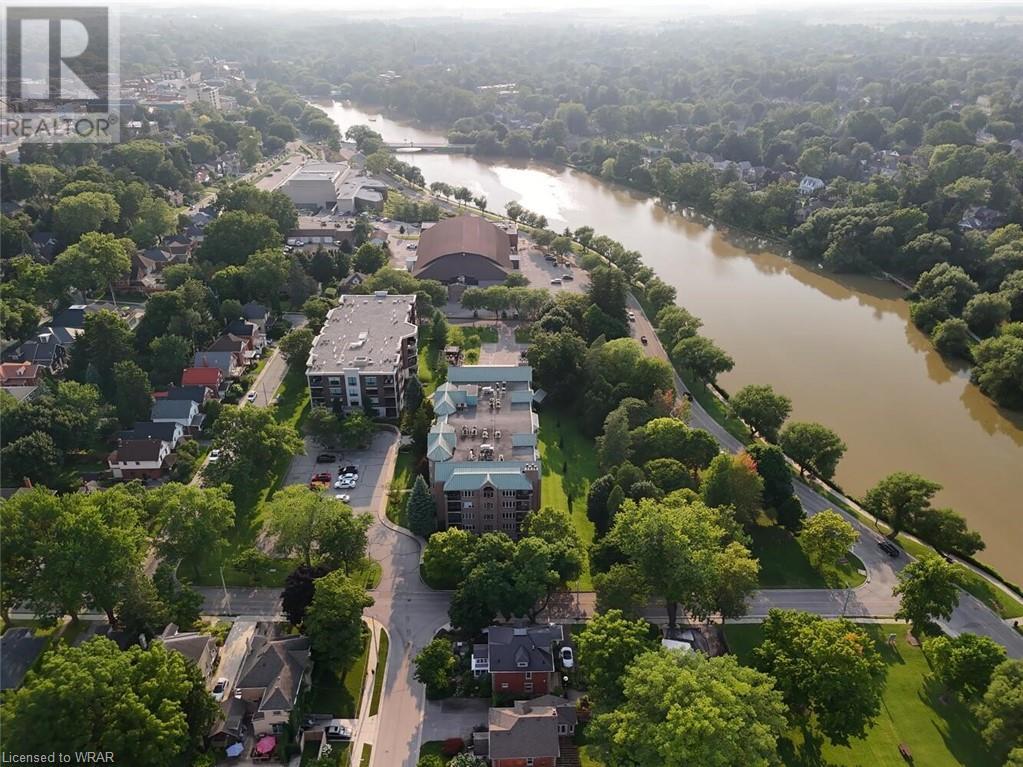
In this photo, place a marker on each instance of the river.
(843, 348)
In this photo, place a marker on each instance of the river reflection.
(842, 347)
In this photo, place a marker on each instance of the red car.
(323, 476)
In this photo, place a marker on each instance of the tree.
(555, 528)
(702, 357)
(557, 361)
(667, 474)
(77, 214)
(732, 480)
(323, 426)
(608, 645)
(34, 457)
(133, 392)
(333, 621)
(265, 272)
(191, 522)
(964, 664)
(985, 312)
(435, 665)
(150, 707)
(465, 759)
(106, 340)
(828, 669)
(357, 430)
(251, 440)
(927, 588)
(826, 537)
(448, 557)
(900, 499)
(168, 356)
(951, 338)
(421, 510)
(774, 470)
(684, 708)
(299, 588)
(1000, 711)
(296, 345)
(762, 409)
(813, 447)
(621, 588)
(614, 445)
(998, 368)
(305, 522)
(946, 530)
(155, 219)
(234, 236)
(95, 261)
(369, 258)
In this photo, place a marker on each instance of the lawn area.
(428, 368)
(432, 747)
(404, 467)
(367, 755)
(784, 564)
(912, 712)
(329, 694)
(997, 599)
(522, 334)
(292, 408)
(381, 670)
(562, 443)
(588, 755)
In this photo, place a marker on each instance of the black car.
(888, 547)
(326, 458)
(348, 470)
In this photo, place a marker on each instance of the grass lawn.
(427, 368)
(330, 694)
(566, 491)
(522, 334)
(717, 409)
(784, 564)
(432, 747)
(588, 755)
(367, 755)
(381, 670)
(912, 712)
(997, 599)
(404, 476)
(292, 408)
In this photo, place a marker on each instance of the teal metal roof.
(488, 374)
(503, 478)
(523, 440)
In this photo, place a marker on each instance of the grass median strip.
(378, 674)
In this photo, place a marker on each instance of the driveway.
(540, 272)
(505, 351)
(454, 717)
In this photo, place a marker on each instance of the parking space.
(540, 272)
(453, 717)
(371, 486)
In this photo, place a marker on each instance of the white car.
(219, 691)
(632, 316)
(344, 484)
(251, 396)
(343, 497)
(214, 455)
(567, 658)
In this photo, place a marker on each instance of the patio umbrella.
(235, 749)
(266, 744)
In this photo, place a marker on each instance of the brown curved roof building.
(465, 246)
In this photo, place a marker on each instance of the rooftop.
(523, 731)
(364, 333)
(463, 234)
(317, 171)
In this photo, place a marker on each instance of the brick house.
(527, 734)
(519, 659)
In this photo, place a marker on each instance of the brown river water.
(842, 348)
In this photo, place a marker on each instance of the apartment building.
(364, 355)
(482, 448)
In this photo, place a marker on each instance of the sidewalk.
(366, 726)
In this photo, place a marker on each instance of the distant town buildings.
(334, 187)
(364, 354)
(482, 448)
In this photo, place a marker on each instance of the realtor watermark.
(60, 70)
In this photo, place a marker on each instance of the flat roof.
(364, 333)
(317, 171)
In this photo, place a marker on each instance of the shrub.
(452, 746)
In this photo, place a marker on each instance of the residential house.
(45, 245)
(22, 393)
(257, 313)
(810, 185)
(270, 680)
(140, 459)
(73, 317)
(353, 280)
(167, 431)
(248, 331)
(19, 650)
(198, 394)
(20, 374)
(184, 412)
(241, 347)
(519, 659)
(208, 377)
(180, 246)
(982, 218)
(527, 734)
(199, 648)
(227, 362)
(49, 349)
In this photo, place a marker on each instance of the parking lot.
(371, 487)
(540, 272)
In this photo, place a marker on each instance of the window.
(504, 685)
(529, 761)
(374, 400)
(467, 493)
(370, 380)
(528, 687)
(353, 381)
(488, 505)
(488, 492)
(507, 504)
(334, 380)
(529, 675)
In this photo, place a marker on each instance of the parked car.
(326, 458)
(343, 497)
(567, 277)
(345, 483)
(348, 471)
(337, 731)
(567, 657)
(888, 547)
(321, 476)
(556, 281)
(219, 691)
(632, 316)
(251, 396)
(214, 455)
(643, 340)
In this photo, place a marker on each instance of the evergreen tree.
(421, 510)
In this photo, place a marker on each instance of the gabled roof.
(276, 666)
(488, 473)
(166, 432)
(242, 328)
(176, 409)
(195, 393)
(512, 646)
(18, 371)
(255, 311)
(463, 234)
(523, 732)
(141, 450)
(201, 376)
(228, 343)
(191, 644)
(223, 360)
(488, 374)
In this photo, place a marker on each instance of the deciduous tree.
(608, 644)
(927, 589)
(826, 537)
(333, 621)
(813, 447)
(964, 664)
(762, 408)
